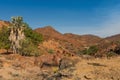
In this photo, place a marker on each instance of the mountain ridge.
(69, 41)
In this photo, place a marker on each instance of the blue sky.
(99, 17)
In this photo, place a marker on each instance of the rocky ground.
(16, 67)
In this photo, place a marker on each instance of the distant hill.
(113, 38)
(86, 39)
(49, 32)
(69, 41)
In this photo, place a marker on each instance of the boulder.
(66, 63)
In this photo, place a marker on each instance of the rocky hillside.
(50, 33)
(4, 23)
(74, 43)
(83, 40)
(113, 38)
(69, 41)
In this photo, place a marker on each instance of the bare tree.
(16, 33)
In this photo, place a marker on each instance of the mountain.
(71, 42)
(49, 32)
(113, 38)
(74, 43)
(84, 39)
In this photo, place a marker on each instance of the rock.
(66, 63)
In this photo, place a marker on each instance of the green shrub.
(29, 49)
(29, 46)
(90, 51)
(4, 41)
(35, 37)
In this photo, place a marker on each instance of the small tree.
(23, 39)
(16, 33)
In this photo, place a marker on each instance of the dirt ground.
(98, 69)
(16, 67)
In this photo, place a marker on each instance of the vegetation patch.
(4, 41)
(89, 51)
(27, 46)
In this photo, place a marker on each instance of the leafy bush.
(4, 41)
(29, 49)
(29, 46)
(35, 37)
(90, 51)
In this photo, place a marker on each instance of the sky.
(98, 17)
